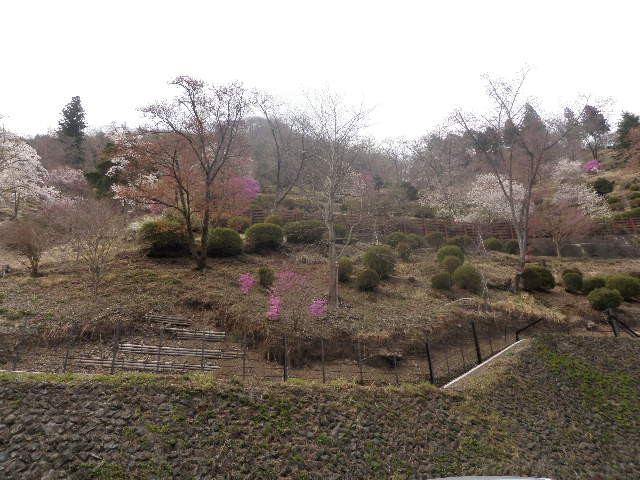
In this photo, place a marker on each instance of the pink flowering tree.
(289, 302)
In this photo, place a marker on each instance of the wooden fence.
(423, 226)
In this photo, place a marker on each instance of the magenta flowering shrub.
(274, 307)
(592, 166)
(246, 282)
(318, 308)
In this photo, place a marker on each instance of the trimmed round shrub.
(381, 260)
(632, 212)
(603, 298)
(265, 277)
(275, 219)
(264, 236)
(434, 239)
(393, 239)
(450, 263)
(633, 195)
(441, 281)
(547, 281)
(304, 231)
(530, 280)
(415, 241)
(404, 251)
(467, 277)
(345, 269)
(450, 250)
(224, 242)
(577, 271)
(164, 238)
(463, 241)
(603, 186)
(367, 280)
(239, 223)
(590, 284)
(572, 282)
(511, 247)
(493, 244)
(627, 285)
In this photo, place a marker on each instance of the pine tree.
(71, 130)
(626, 123)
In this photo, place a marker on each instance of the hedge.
(164, 238)
(264, 236)
(304, 231)
(224, 242)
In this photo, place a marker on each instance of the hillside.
(149, 426)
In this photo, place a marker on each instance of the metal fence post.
(475, 340)
(322, 360)
(360, 362)
(429, 362)
(285, 360)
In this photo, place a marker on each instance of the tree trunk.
(556, 243)
(16, 204)
(201, 259)
(333, 266)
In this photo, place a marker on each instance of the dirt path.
(489, 369)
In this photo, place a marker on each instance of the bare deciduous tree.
(515, 143)
(288, 141)
(29, 238)
(335, 132)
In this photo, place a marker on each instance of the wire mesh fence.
(286, 357)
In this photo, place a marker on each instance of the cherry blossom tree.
(569, 214)
(22, 176)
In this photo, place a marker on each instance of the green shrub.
(634, 212)
(264, 201)
(367, 280)
(536, 277)
(275, 219)
(415, 241)
(635, 203)
(547, 282)
(265, 277)
(345, 269)
(612, 199)
(468, 278)
(633, 195)
(603, 186)
(239, 223)
(635, 187)
(634, 274)
(627, 285)
(393, 239)
(462, 241)
(380, 259)
(304, 231)
(224, 242)
(442, 280)
(164, 238)
(577, 271)
(603, 298)
(404, 251)
(435, 239)
(264, 236)
(493, 244)
(572, 282)
(590, 284)
(450, 263)
(511, 247)
(448, 251)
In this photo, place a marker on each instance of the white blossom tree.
(22, 176)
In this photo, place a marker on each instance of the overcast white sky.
(412, 61)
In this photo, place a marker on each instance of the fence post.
(116, 346)
(360, 362)
(395, 368)
(429, 362)
(285, 360)
(475, 340)
(66, 360)
(202, 356)
(322, 360)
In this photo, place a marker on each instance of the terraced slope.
(568, 408)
